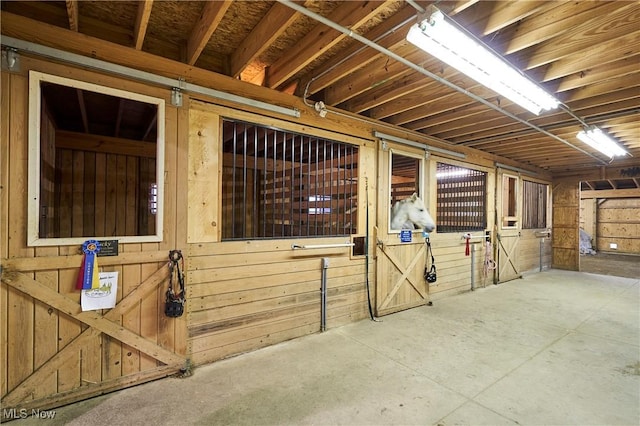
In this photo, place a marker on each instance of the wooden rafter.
(116, 131)
(83, 110)
(386, 35)
(210, 18)
(152, 125)
(270, 27)
(319, 40)
(72, 13)
(142, 21)
(585, 52)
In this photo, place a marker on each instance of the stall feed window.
(96, 163)
(405, 177)
(406, 174)
(534, 211)
(461, 199)
(509, 201)
(279, 184)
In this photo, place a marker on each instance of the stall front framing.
(242, 294)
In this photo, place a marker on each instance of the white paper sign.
(103, 297)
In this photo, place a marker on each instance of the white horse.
(411, 213)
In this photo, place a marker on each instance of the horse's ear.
(414, 197)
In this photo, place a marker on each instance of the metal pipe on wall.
(323, 294)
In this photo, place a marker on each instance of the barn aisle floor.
(555, 348)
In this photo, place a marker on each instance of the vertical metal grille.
(461, 199)
(279, 184)
(534, 211)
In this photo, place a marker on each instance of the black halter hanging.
(174, 306)
(430, 274)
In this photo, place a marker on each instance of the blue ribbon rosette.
(88, 278)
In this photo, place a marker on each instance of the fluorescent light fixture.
(453, 173)
(597, 139)
(454, 46)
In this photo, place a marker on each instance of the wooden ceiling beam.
(506, 13)
(556, 122)
(72, 13)
(409, 105)
(556, 21)
(629, 83)
(624, 47)
(153, 124)
(83, 110)
(320, 39)
(616, 20)
(611, 193)
(439, 101)
(271, 26)
(119, 114)
(142, 21)
(210, 18)
(384, 94)
(411, 96)
(456, 118)
(106, 144)
(389, 34)
(625, 66)
(496, 126)
(376, 73)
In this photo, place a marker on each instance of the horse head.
(411, 213)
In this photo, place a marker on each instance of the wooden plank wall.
(244, 295)
(250, 294)
(566, 237)
(588, 218)
(50, 352)
(534, 252)
(618, 221)
(455, 269)
(92, 189)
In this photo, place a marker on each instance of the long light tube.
(456, 47)
(597, 139)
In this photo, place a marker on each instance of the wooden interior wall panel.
(203, 176)
(18, 169)
(5, 108)
(39, 305)
(529, 254)
(239, 299)
(618, 222)
(565, 225)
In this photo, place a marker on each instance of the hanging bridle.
(174, 306)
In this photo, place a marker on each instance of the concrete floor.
(554, 348)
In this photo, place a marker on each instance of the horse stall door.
(401, 255)
(509, 228)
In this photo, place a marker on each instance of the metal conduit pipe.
(346, 58)
(323, 294)
(427, 73)
(144, 76)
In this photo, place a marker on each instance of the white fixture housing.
(456, 47)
